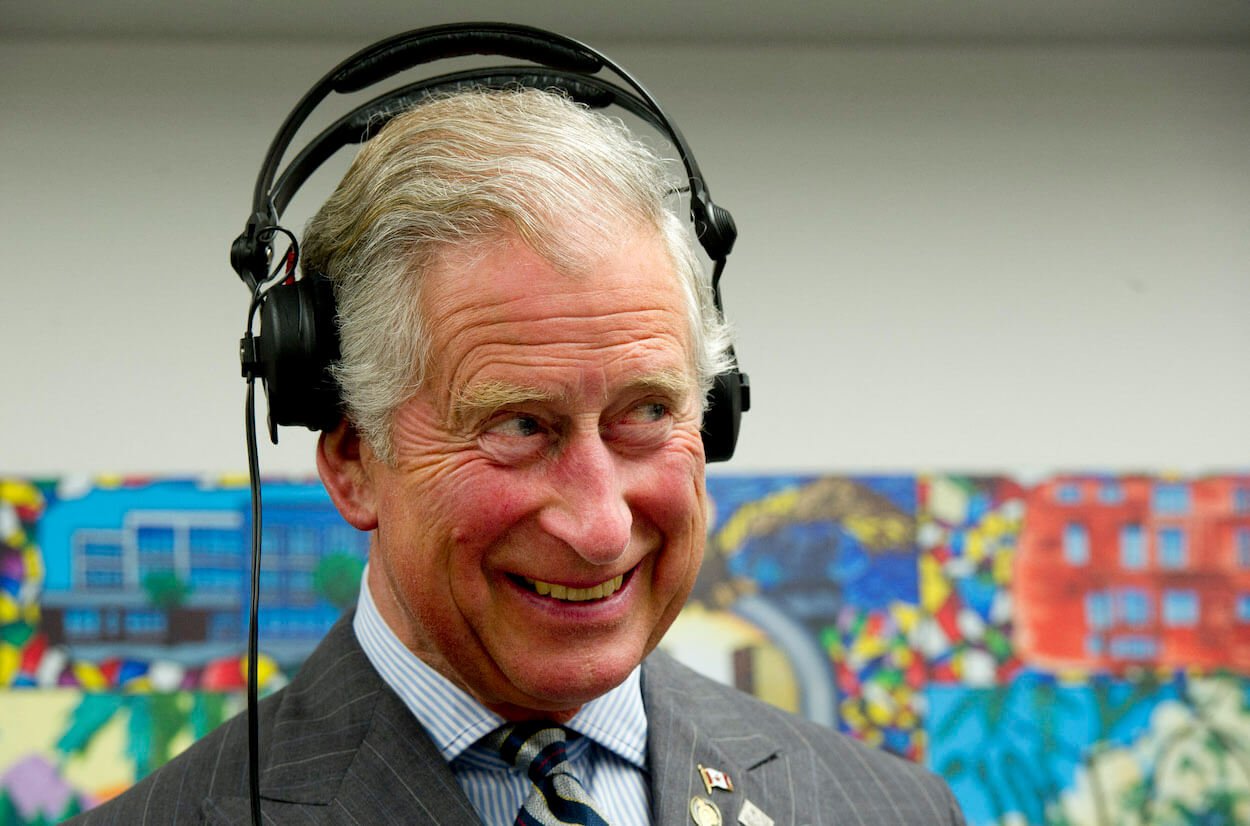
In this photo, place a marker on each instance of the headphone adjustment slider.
(247, 357)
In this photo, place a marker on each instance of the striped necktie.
(558, 797)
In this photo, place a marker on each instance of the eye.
(648, 412)
(517, 425)
(645, 425)
(516, 438)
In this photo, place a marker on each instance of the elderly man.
(527, 340)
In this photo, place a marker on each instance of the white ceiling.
(684, 21)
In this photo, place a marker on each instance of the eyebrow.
(482, 398)
(675, 383)
(487, 396)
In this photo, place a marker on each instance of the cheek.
(480, 504)
(437, 536)
(676, 504)
(673, 498)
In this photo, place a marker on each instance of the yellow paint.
(10, 660)
(993, 524)
(34, 563)
(878, 531)
(906, 615)
(1072, 676)
(738, 527)
(867, 647)
(19, 493)
(8, 610)
(934, 589)
(266, 669)
(1003, 568)
(89, 676)
(879, 714)
(974, 546)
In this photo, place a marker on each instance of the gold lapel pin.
(715, 779)
(704, 812)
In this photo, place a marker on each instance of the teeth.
(551, 589)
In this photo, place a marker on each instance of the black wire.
(253, 645)
(288, 260)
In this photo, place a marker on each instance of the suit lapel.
(400, 776)
(691, 722)
(345, 747)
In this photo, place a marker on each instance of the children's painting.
(1074, 650)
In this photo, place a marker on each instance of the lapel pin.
(752, 816)
(715, 779)
(704, 812)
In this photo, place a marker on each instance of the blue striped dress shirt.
(610, 758)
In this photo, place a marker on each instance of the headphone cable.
(253, 646)
(284, 269)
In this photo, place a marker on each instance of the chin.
(571, 684)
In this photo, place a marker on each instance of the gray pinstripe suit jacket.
(338, 746)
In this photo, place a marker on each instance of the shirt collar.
(454, 720)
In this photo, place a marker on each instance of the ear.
(342, 462)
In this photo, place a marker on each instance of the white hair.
(463, 170)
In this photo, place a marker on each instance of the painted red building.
(1120, 572)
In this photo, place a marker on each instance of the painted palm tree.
(156, 724)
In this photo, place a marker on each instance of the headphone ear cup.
(729, 397)
(298, 342)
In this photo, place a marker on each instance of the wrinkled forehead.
(574, 266)
(576, 244)
(506, 301)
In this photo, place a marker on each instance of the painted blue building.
(107, 549)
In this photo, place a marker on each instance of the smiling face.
(544, 519)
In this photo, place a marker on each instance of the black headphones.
(299, 337)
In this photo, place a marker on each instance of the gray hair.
(464, 169)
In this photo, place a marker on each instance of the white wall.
(998, 259)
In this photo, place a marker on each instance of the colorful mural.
(1075, 651)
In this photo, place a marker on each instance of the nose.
(588, 510)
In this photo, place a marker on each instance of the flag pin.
(715, 779)
(704, 812)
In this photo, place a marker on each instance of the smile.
(563, 592)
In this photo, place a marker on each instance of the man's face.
(545, 516)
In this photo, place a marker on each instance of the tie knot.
(534, 747)
(558, 797)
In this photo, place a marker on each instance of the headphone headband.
(363, 122)
(413, 48)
